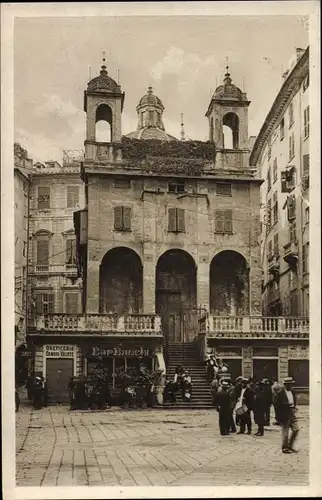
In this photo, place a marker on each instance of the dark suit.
(286, 415)
(223, 402)
(259, 409)
(248, 401)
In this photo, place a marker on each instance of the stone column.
(93, 287)
(282, 363)
(247, 361)
(148, 285)
(203, 276)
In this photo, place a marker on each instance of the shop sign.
(59, 351)
(229, 352)
(25, 354)
(139, 352)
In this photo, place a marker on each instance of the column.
(93, 287)
(148, 285)
(203, 277)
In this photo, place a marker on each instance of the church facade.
(168, 246)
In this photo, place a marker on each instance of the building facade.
(282, 155)
(168, 246)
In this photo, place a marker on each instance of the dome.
(150, 133)
(229, 91)
(149, 99)
(103, 82)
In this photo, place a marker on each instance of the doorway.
(58, 373)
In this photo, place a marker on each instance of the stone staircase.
(187, 355)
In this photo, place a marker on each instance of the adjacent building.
(282, 155)
(168, 248)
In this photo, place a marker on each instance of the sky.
(182, 58)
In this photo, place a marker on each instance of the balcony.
(54, 269)
(254, 327)
(290, 253)
(148, 325)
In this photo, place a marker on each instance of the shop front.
(59, 365)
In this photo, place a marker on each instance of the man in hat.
(268, 400)
(244, 406)
(285, 402)
(223, 403)
(259, 407)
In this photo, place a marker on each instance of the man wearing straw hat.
(285, 401)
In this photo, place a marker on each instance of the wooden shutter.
(71, 303)
(50, 299)
(269, 213)
(228, 221)
(39, 303)
(180, 220)
(172, 220)
(219, 221)
(276, 250)
(118, 218)
(72, 196)
(126, 218)
(42, 253)
(43, 197)
(291, 208)
(284, 187)
(71, 252)
(306, 164)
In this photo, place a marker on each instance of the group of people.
(238, 402)
(181, 382)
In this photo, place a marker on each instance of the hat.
(239, 378)
(224, 383)
(245, 380)
(264, 381)
(288, 380)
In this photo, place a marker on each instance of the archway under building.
(176, 295)
(103, 124)
(229, 284)
(121, 282)
(231, 131)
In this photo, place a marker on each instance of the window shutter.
(72, 196)
(42, 253)
(291, 208)
(284, 187)
(71, 303)
(228, 221)
(306, 164)
(50, 303)
(43, 197)
(71, 252)
(219, 221)
(180, 220)
(269, 213)
(126, 218)
(172, 219)
(118, 218)
(39, 301)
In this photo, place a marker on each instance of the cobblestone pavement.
(150, 447)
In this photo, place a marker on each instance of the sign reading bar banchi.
(59, 351)
(139, 352)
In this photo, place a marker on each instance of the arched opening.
(176, 293)
(211, 130)
(103, 124)
(229, 284)
(121, 282)
(231, 131)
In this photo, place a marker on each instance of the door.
(169, 307)
(58, 373)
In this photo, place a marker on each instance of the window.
(269, 152)
(270, 250)
(275, 170)
(307, 122)
(176, 223)
(306, 83)
(44, 303)
(300, 371)
(223, 189)
(291, 151)
(291, 208)
(269, 213)
(122, 183)
(72, 196)
(291, 114)
(71, 303)
(42, 255)
(276, 247)
(176, 187)
(307, 215)
(122, 218)
(292, 232)
(224, 221)
(282, 129)
(293, 279)
(305, 258)
(269, 179)
(275, 208)
(71, 253)
(43, 197)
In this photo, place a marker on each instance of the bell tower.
(103, 102)
(228, 112)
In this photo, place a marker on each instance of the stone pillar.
(148, 285)
(247, 361)
(203, 276)
(282, 363)
(255, 272)
(93, 287)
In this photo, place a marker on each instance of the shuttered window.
(223, 189)
(275, 170)
(72, 196)
(43, 197)
(176, 187)
(269, 179)
(291, 147)
(291, 114)
(44, 303)
(305, 258)
(306, 164)
(276, 248)
(269, 213)
(224, 221)
(71, 253)
(292, 232)
(122, 183)
(176, 222)
(291, 208)
(71, 303)
(282, 129)
(122, 218)
(43, 253)
(307, 121)
(275, 208)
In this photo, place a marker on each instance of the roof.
(149, 133)
(289, 87)
(150, 99)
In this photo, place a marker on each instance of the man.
(210, 364)
(268, 399)
(276, 388)
(223, 403)
(285, 402)
(259, 407)
(245, 401)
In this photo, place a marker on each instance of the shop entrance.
(112, 367)
(58, 373)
